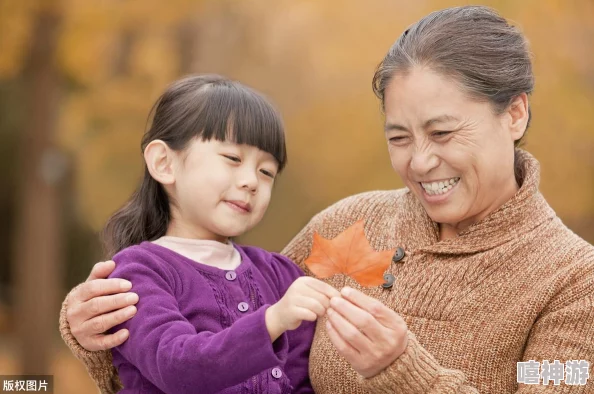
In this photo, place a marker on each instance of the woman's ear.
(518, 116)
(159, 160)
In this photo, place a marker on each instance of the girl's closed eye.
(269, 174)
(233, 158)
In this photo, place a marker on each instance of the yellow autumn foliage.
(315, 59)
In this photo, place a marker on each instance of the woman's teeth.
(441, 187)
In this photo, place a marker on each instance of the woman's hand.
(368, 334)
(98, 305)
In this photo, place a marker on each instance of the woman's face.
(453, 152)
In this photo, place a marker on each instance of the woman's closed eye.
(441, 133)
(398, 139)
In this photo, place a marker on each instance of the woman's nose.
(423, 161)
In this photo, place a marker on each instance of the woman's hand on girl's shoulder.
(99, 304)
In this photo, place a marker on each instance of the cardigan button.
(230, 275)
(243, 306)
(389, 281)
(277, 373)
(399, 255)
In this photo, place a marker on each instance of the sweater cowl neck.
(526, 210)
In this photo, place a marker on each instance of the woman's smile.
(438, 191)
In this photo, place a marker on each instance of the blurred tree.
(38, 241)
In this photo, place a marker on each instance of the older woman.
(485, 274)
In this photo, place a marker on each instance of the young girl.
(212, 316)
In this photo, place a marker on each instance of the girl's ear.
(159, 160)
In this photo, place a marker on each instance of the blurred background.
(78, 77)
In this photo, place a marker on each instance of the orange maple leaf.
(349, 254)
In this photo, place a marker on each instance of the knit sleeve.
(417, 371)
(98, 364)
(565, 332)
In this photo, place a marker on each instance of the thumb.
(101, 270)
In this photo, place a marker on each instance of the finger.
(101, 270)
(360, 318)
(384, 315)
(100, 287)
(306, 314)
(101, 305)
(348, 332)
(102, 323)
(342, 347)
(323, 287)
(311, 304)
(316, 295)
(105, 342)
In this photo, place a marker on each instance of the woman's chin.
(444, 215)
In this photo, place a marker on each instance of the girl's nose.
(249, 181)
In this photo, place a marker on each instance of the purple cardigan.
(200, 329)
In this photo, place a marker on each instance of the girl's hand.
(306, 299)
(97, 305)
(368, 334)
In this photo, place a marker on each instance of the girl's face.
(221, 189)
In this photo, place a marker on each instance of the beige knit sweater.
(518, 285)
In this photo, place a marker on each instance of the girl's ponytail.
(144, 217)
